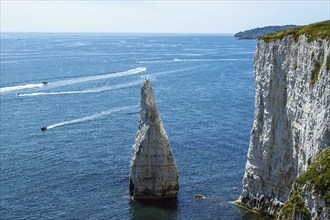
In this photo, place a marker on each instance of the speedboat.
(199, 196)
(44, 128)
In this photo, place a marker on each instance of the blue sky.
(156, 16)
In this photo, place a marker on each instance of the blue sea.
(79, 167)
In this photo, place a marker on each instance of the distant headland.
(257, 32)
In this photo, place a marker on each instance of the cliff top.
(257, 32)
(320, 30)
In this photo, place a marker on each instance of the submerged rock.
(153, 171)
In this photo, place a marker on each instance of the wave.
(186, 60)
(171, 71)
(90, 117)
(66, 82)
(27, 86)
(10, 61)
(154, 61)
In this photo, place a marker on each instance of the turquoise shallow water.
(79, 167)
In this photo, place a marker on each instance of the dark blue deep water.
(79, 167)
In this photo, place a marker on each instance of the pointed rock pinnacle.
(153, 171)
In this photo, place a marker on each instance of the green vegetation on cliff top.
(320, 30)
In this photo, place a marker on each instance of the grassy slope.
(320, 30)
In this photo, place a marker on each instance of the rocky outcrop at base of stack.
(292, 114)
(153, 171)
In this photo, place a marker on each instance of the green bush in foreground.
(318, 175)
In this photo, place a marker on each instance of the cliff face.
(153, 173)
(291, 119)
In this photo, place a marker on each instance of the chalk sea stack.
(153, 171)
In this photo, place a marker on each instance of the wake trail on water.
(100, 89)
(106, 88)
(91, 117)
(97, 77)
(66, 82)
(27, 86)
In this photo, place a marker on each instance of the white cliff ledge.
(153, 172)
(291, 118)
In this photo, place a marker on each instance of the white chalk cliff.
(291, 119)
(153, 171)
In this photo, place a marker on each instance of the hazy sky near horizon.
(156, 16)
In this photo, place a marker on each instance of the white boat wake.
(100, 89)
(97, 77)
(27, 86)
(66, 82)
(106, 88)
(90, 117)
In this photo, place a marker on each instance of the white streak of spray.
(97, 77)
(107, 88)
(66, 82)
(101, 89)
(13, 88)
(90, 117)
